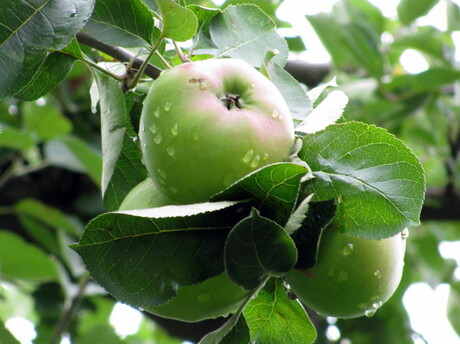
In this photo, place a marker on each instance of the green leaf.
(429, 80)
(453, 306)
(29, 31)
(325, 113)
(273, 190)
(121, 23)
(306, 237)
(142, 256)
(46, 121)
(25, 261)
(122, 168)
(350, 43)
(239, 333)
(247, 33)
(378, 182)
(53, 70)
(179, 23)
(6, 337)
(76, 155)
(453, 17)
(275, 319)
(409, 10)
(50, 216)
(16, 139)
(295, 96)
(426, 39)
(256, 248)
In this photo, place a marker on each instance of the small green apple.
(352, 277)
(206, 124)
(144, 195)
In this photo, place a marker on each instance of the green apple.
(352, 277)
(143, 196)
(206, 124)
(216, 296)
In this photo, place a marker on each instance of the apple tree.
(176, 157)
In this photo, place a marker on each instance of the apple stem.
(231, 102)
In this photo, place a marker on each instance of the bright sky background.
(426, 306)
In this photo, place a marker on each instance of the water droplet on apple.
(255, 161)
(377, 273)
(175, 129)
(331, 271)
(342, 276)
(158, 138)
(167, 106)
(370, 312)
(171, 151)
(156, 112)
(153, 128)
(266, 156)
(195, 136)
(173, 190)
(275, 114)
(248, 156)
(347, 249)
(162, 173)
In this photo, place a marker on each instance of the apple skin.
(214, 297)
(353, 276)
(206, 124)
(143, 196)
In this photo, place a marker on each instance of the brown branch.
(118, 53)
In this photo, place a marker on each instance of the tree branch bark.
(309, 74)
(118, 53)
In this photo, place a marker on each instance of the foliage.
(69, 154)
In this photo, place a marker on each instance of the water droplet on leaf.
(156, 112)
(195, 136)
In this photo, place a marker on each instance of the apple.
(206, 124)
(143, 196)
(214, 297)
(352, 277)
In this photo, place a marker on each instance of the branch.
(118, 53)
(69, 311)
